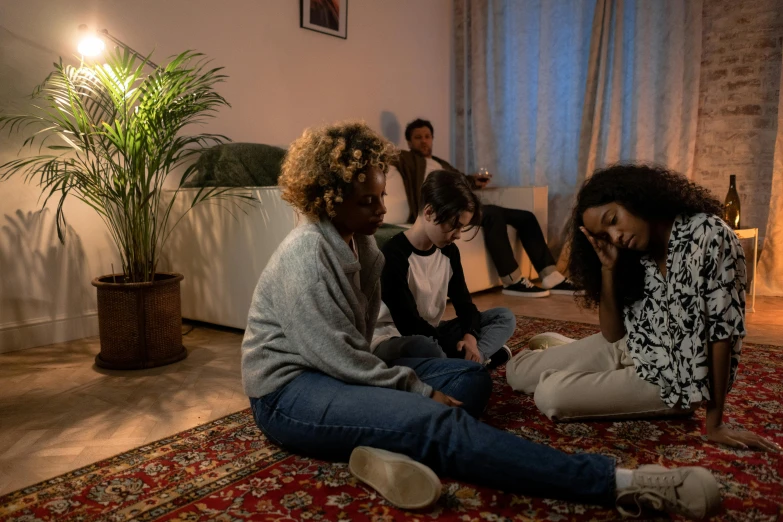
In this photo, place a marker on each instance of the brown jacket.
(412, 165)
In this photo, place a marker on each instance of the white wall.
(394, 66)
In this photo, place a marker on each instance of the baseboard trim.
(40, 332)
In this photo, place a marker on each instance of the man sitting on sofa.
(416, 164)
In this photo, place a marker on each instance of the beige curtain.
(770, 268)
(646, 109)
(547, 91)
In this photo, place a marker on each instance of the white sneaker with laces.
(692, 492)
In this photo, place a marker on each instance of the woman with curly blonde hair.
(316, 388)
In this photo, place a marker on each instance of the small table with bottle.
(731, 215)
(751, 233)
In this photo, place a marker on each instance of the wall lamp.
(92, 44)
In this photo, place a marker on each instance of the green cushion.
(238, 165)
(385, 233)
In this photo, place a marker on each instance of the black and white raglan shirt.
(414, 287)
(700, 300)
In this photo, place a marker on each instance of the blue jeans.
(325, 418)
(497, 327)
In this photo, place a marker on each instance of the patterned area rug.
(227, 471)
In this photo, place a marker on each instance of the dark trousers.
(494, 221)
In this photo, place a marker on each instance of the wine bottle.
(731, 206)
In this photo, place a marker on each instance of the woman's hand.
(740, 439)
(444, 399)
(607, 252)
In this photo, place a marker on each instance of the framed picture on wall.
(325, 16)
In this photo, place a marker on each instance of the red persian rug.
(227, 471)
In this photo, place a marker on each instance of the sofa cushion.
(238, 165)
(386, 232)
(396, 201)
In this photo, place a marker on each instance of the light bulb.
(91, 46)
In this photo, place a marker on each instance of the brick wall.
(738, 101)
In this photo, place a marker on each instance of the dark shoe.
(498, 358)
(525, 289)
(399, 479)
(565, 288)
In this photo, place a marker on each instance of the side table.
(751, 233)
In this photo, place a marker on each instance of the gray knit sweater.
(308, 314)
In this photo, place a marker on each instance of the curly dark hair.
(652, 193)
(416, 124)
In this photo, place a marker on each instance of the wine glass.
(483, 174)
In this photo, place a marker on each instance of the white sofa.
(222, 250)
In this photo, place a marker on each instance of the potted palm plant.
(109, 135)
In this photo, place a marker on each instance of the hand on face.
(615, 224)
(607, 252)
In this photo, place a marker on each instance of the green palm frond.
(109, 135)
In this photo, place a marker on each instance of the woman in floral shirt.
(668, 277)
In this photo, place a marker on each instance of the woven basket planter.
(140, 324)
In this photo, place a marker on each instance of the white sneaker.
(548, 340)
(399, 479)
(692, 492)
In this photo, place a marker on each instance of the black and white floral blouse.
(701, 300)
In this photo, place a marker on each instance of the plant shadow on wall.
(41, 279)
(390, 127)
(108, 134)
